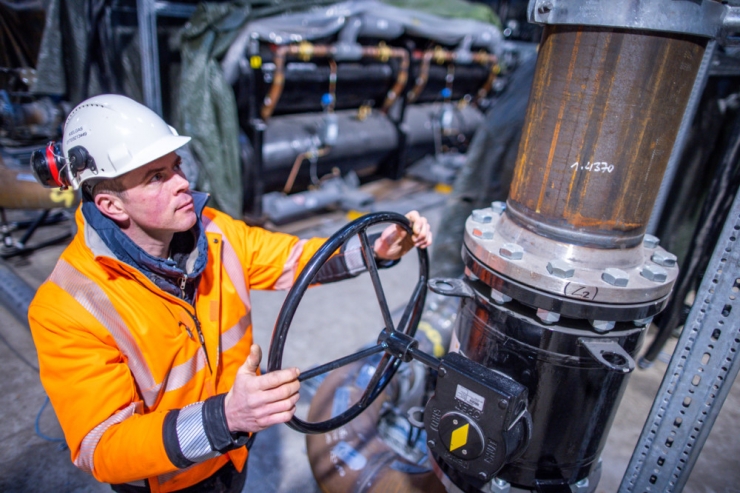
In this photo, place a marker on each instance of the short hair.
(107, 185)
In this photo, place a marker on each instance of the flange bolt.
(547, 316)
(654, 273)
(615, 277)
(480, 216)
(602, 325)
(650, 241)
(498, 297)
(483, 235)
(512, 251)
(560, 268)
(498, 207)
(666, 259)
(544, 7)
(642, 322)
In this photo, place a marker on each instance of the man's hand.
(256, 402)
(394, 242)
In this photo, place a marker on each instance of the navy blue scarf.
(165, 273)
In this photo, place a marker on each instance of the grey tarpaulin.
(207, 108)
(63, 50)
(487, 172)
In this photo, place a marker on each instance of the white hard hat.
(119, 135)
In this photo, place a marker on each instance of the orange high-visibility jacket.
(117, 353)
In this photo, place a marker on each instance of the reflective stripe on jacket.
(116, 353)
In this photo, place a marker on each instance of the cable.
(62, 443)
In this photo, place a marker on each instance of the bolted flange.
(512, 251)
(560, 268)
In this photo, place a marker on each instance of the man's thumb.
(252, 363)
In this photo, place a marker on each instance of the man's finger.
(276, 379)
(252, 362)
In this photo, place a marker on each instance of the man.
(143, 328)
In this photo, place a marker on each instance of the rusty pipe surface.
(22, 191)
(603, 114)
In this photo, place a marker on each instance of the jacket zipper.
(183, 282)
(202, 339)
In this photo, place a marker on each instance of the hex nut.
(498, 297)
(544, 7)
(547, 316)
(654, 273)
(560, 268)
(498, 207)
(650, 241)
(615, 277)
(512, 251)
(642, 322)
(602, 325)
(483, 235)
(666, 259)
(480, 216)
(499, 485)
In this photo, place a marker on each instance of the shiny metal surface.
(575, 379)
(542, 260)
(701, 18)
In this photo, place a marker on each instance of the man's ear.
(112, 206)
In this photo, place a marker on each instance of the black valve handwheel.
(407, 325)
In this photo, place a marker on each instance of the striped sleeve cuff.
(199, 432)
(349, 262)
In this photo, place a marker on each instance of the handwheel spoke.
(367, 396)
(410, 308)
(333, 365)
(372, 269)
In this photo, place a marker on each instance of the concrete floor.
(333, 320)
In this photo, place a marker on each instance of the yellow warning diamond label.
(459, 437)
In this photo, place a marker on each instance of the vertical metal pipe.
(688, 118)
(604, 112)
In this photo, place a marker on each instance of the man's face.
(157, 198)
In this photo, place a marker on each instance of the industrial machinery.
(358, 86)
(561, 282)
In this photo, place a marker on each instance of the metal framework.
(699, 376)
(147, 12)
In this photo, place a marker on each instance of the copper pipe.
(421, 81)
(297, 164)
(306, 52)
(332, 84)
(383, 53)
(486, 87)
(603, 114)
(440, 56)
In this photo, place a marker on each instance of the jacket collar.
(187, 260)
